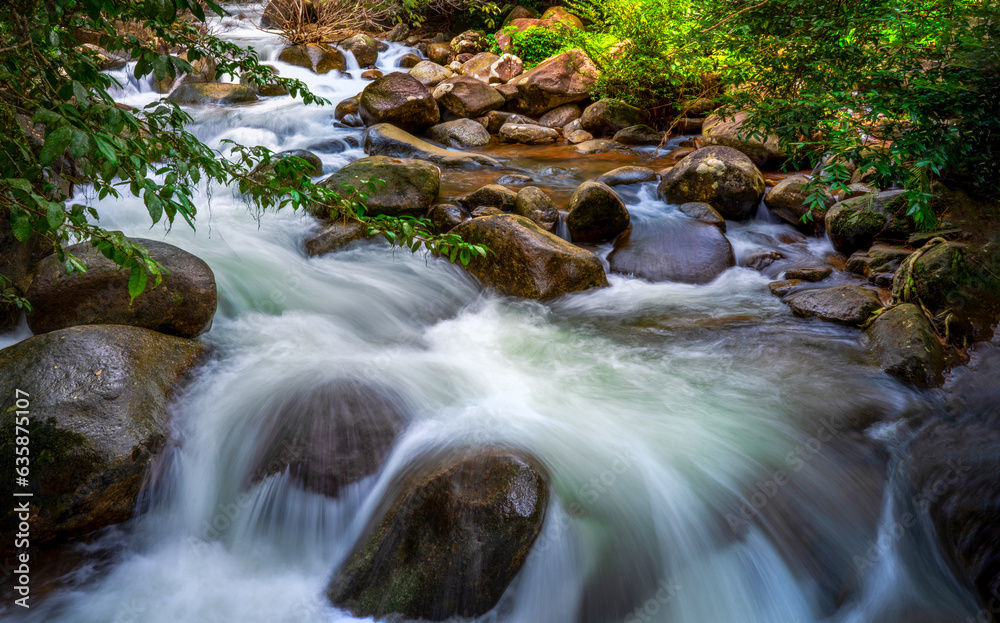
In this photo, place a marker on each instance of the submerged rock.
(846, 304)
(719, 176)
(450, 536)
(183, 304)
(596, 213)
(527, 261)
(385, 139)
(704, 213)
(197, 94)
(675, 249)
(99, 399)
(411, 186)
(905, 346)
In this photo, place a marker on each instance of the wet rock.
(492, 195)
(212, 94)
(409, 61)
(411, 186)
(330, 435)
(599, 146)
(371, 74)
(719, 176)
(514, 178)
(783, 287)
(99, 414)
(608, 116)
(444, 217)
(480, 66)
(559, 14)
(905, 346)
(335, 236)
(578, 137)
(399, 33)
(527, 261)
(674, 249)
(349, 106)
(759, 260)
(319, 57)
(560, 116)
(638, 135)
(469, 42)
(787, 201)
(506, 68)
(563, 79)
(467, 97)
(486, 211)
(856, 223)
(533, 203)
(627, 175)
(461, 134)
(528, 134)
(704, 213)
(726, 132)
(847, 304)
(880, 258)
(596, 213)
(264, 90)
(385, 139)
(451, 535)
(315, 164)
(958, 284)
(812, 274)
(183, 304)
(496, 119)
(364, 49)
(429, 73)
(401, 100)
(279, 13)
(440, 53)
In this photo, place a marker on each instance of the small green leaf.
(55, 215)
(79, 145)
(55, 144)
(20, 223)
(136, 281)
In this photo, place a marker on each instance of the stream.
(713, 458)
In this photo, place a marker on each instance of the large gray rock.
(450, 536)
(846, 304)
(319, 57)
(526, 133)
(385, 139)
(719, 176)
(678, 250)
(527, 261)
(401, 100)
(596, 213)
(98, 399)
(183, 304)
(856, 223)
(467, 97)
(460, 133)
(411, 186)
(533, 203)
(563, 79)
(430, 74)
(212, 94)
(905, 346)
(363, 47)
(787, 201)
(609, 116)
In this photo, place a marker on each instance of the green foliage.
(536, 43)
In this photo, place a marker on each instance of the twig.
(720, 23)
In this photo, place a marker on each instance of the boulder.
(759, 260)
(398, 33)
(787, 201)
(99, 412)
(719, 176)
(811, 274)
(460, 133)
(560, 116)
(856, 223)
(364, 49)
(527, 133)
(469, 42)
(411, 186)
(505, 69)
(563, 79)
(349, 106)
(451, 534)
(905, 346)
(704, 213)
(846, 304)
(440, 53)
(527, 261)
(560, 14)
(628, 175)
(784, 287)
(371, 74)
(401, 100)
(699, 107)
(329, 435)
(409, 61)
(578, 137)
(598, 145)
(521, 25)
(467, 97)
(492, 196)
(444, 217)
(429, 73)
(519, 12)
(337, 235)
(596, 213)
(212, 94)
(496, 119)
(319, 57)
(385, 139)
(726, 132)
(533, 203)
(607, 116)
(480, 66)
(879, 258)
(183, 304)
(508, 91)
(672, 249)
(638, 135)
(281, 13)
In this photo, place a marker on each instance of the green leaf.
(81, 95)
(55, 144)
(136, 281)
(79, 145)
(154, 206)
(55, 215)
(20, 223)
(19, 183)
(106, 150)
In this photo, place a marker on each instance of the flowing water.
(707, 449)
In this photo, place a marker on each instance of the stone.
(444, 217)
(451, 534)
(596, 213)
(704, 213)
(212, 94)
(349, 106)
(429, 73)
(486, 211)
(480, 66)
(496, 119)
(905, 345)
(719, 176)
(608, 116)
(598, 145)
(385, 139)
(401, 100)
(578, 137)
(514, 179)
(782, 288)
(879, 258)
(319, 57)
(759, 260)
(856, 223)
(787, 201)
(638, 135)
(409, 61)
(315, 163)
(460, 134)
(399, 33)
(726, 132)
(264, 90)
(559, 14)
(563, 79)
(183, 304)
(529, 134)
(506, 68)
(699, 107)
(99, 413)
(533, 203)
(106, 61)
(467, 97)
(507, 91)
(491, 195)
(371, 74)
(440, 53)
(846, 304)
(811, 274)
(527, 261)
(364, 49)
(411, 186)
(469, 42)
(560, 116)
(672, 249)
(335, 236)
(628, 175)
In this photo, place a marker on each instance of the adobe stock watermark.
(666, 590)
(22, 496)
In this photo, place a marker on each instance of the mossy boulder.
(535, 204)
(491, 196)
(857, 223)
(608, 116)
(846, 304)
(98, 399)
(399, 99)
(596, 213)
(528, 262)
(720, 176)
(183, 304)
(451, 535)
(905, 346)
(363, 47)
(212, 94)
(411, 186)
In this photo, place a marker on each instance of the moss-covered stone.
(411, 186)
(596, 213)
(719, 176)
(905, 346)
(846, 304)
(856, 223)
